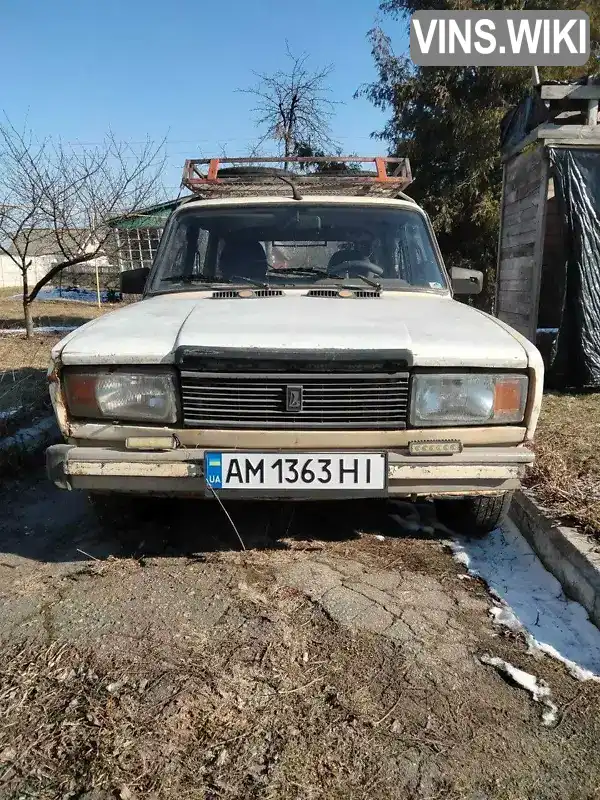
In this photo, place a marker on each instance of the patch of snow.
(462, 557)
(504, 615)
(539, 689)
(530, 600)
(42, 329)
(10, 412)
(32, 437)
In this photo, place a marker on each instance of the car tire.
(474, 516)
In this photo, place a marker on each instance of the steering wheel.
(357, 267)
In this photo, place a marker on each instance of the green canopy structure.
(151, 217)
(136, 236)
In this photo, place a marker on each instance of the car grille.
(250, 400)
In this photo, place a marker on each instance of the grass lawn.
(47, 313)
(565, 477)
(24, 363)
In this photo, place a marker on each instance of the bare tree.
(57, 200)
(293, 106)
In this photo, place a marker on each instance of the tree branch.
(55, 270)
(294, 106)
(55, 200)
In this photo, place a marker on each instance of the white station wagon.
(298, 338)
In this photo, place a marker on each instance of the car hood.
(426, 329)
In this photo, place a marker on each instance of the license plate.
(293, 471)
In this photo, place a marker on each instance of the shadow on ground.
(186, 526)
(45, 320)
(42, 523)
(23, 391)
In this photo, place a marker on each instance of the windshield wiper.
(298, 271)
(323, 273)
(190, 279)
(368, 281)
(208, 279)
(251, 281)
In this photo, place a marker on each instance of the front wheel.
(474, 516)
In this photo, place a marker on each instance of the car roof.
(331, 199)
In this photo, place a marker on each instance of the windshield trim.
(156, 287)
(208, 288)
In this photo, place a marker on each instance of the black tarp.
(575, 355)
(532, 111)
(522, 119)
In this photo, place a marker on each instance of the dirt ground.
(322, 662)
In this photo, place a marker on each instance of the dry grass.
(24, 362)
(273, 699)
(23, 384)
(228, 721)
(566, 475)
(93, 726)
(48, 313)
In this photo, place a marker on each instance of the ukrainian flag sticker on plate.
(213, 466)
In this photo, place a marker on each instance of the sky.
(76, 68)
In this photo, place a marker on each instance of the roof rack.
(206, 177)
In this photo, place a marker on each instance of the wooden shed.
(556, 120)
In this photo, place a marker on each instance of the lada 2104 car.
(298, 338)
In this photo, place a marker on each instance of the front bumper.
(477, 470)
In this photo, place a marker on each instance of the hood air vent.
(228, 293)
(344, 293)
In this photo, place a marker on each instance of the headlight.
(439, 400)
(137, 395)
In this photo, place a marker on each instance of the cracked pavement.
(388, 603)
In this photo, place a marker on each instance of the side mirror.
(466, 281)
(133, 281)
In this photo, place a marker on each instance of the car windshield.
(293, 244)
